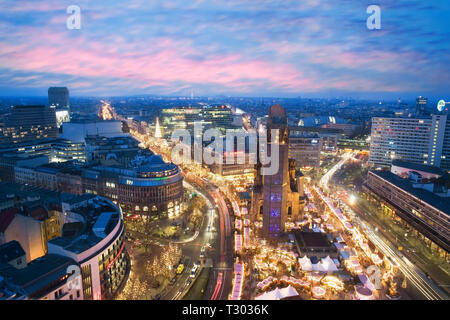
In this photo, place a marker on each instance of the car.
(172, 282)
(188, 281)
(180, 269)
(194, 271)
(198, 263)
(157, 297)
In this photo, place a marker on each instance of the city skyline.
(245, 48)
(224, 150)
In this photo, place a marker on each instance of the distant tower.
(421, 106)
(59, 98)
(158, 133)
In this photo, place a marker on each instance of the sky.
(284, 48)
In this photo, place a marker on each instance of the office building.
(66, 150)
(122, 149)
(77, 131)
(145, 185)
(417, 140)
(305, 149)
(28, 123)
(179, 118)
(329, 136)
(217, 117)
(59, 98)
(419, 202)
(243, 159)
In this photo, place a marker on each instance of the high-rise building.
(417, 140)
(305, 148)
(276, 197)
(59, 97)
(217, 117)
(421, 107)
(27, 123)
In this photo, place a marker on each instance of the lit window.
(274, 212)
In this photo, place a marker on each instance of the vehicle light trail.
(412, 272)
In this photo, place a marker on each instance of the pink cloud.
(165, 61)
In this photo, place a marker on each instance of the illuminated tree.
(135, 289)
(393, 289)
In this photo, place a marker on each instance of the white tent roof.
(271, 295)
(328, 264)
(305, 263)
(318, 267)
(288, 292)
(278, 294)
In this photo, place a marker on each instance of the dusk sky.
(232, 47)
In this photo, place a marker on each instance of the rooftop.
(11, 250)
(142, 166)
(39, 273)
(312, 239)
(417, 167)
(80, 236)
(6, 217)
(440, 203)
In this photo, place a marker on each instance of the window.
(110, 184)
(275, 197)
(274, 213)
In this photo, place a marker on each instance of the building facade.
(45, 278)
(414, 203)
(305, 149)
(417, 140)
(148, 186)
(145, 186)
(93, 236)
(28, 123)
